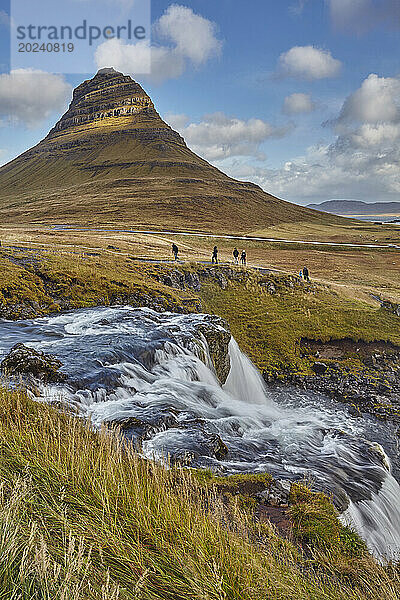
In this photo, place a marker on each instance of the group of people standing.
(214, 257)
(236, 254)
(243, 256)
(304, 273)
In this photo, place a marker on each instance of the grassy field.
(82, 517)
(88, 268)
(269, 327)
(48, 271)
(353, 272)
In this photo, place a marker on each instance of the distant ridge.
(357, 207)
(111, 159)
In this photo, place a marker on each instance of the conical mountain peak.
(111, 157)
(109, 99)
(107, 71)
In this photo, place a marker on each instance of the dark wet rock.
(219, 448)
(139, 430)
(222, 280)
(216, 332)
(354, 411)
(320, 368)
(184, 458)
(383, 388)
(22, 360)
(271, 289)
(366, 391)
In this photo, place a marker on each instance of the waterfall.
(377, 520)
(245, 383)
(152, 374)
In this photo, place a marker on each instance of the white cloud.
(30, 96)
(361, 15)
(323, 173)
(377, 100)
(218, 136)
(177, 122)
(363, 162)
(128, 58)
(190, 37)
(298, 103)
(375, 136)
(309, 63)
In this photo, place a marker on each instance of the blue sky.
(301, 97)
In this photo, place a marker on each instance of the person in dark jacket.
(175, 251)
(306, 274)
(214, 258)
(236, 256)
(243, 257)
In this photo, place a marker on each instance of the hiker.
(306, 274)
(243, 257)
(214, 258)
(301, 274)
(175, 251)
(236, 256)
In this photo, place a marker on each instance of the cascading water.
(152, 373)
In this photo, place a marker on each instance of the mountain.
(111, 159)
(357, 207)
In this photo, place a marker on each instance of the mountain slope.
(111, 159)
(357, 207)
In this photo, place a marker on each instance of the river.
(155, 369)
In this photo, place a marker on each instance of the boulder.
(175, 279)
(22, 360)
(219, 448)
(221, 280)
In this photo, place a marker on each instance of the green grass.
(82, 517)
(54, 281)
(269, 328)
(315, 523)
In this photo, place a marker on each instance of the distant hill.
(111, 159)
(357, 207)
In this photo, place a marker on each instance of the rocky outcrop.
(216, 332)
(374, 389)
(22, 360)
(366, 375)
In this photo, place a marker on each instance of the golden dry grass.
(83, 517)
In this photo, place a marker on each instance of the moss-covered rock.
(22, 360)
